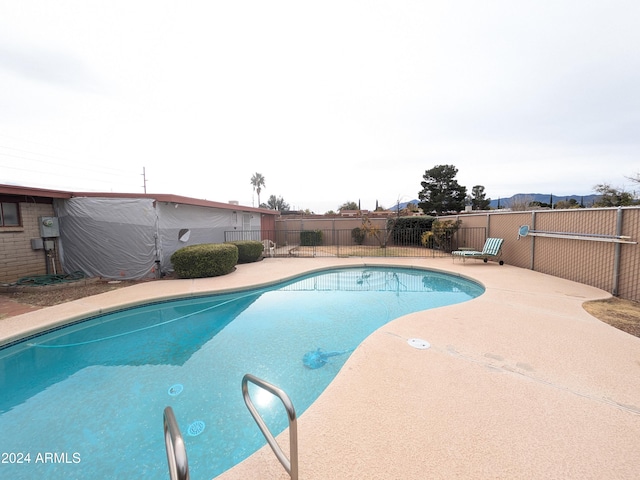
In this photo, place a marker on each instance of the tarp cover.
(180, 225)
(122, 238)
(108, 237)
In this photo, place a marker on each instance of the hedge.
(310, 238)
(358, 234)
(205, 260)
(409, 230)
(248, 250)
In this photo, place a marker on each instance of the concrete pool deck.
(519, 383)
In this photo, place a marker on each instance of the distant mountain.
(403, 205)
(586, 200)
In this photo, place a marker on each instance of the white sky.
(331, 101)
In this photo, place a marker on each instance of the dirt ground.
(48, 296)
(622, 314)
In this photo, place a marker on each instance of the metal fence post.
(533, 241)
(616, 257)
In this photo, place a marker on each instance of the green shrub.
(310, 238)
(358, 235)
(441, 235)
(408, 230)
(205, 260)
(248, 250)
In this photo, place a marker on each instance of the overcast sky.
(331, 101)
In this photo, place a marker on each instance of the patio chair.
(492, 250)
(269, 247)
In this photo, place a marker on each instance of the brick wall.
(17, 258)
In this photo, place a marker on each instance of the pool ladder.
(291, 466)
(177, 453)
(174, 445)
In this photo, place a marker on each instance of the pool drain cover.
(196, 428)
(175, 389)
(418, 343)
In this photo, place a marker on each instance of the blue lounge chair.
(492, 250)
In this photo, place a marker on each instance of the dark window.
(9, 215)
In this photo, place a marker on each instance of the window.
(9, 215)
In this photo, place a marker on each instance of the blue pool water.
(86, 401)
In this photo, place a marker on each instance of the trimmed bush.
(408, 230)
(205, 260)
(310, 238)
(358, 234)
(248, 250)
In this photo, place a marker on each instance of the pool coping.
(520, 382)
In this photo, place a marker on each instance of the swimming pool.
(86, 401)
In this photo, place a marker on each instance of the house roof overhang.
(159, 197)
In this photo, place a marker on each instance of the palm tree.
(258, 182)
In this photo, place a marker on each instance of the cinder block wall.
(17, 258)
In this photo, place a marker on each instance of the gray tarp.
(191, 223)
(122, 238)
(108, 237)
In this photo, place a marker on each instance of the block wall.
(17, 258)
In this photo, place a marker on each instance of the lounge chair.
(492, 250)
(269, 247)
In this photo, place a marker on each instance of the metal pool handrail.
(291, 466)
(174, 444)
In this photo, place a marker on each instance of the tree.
(612, 197)
(440, 191)
(478, 200)
(348, 206)
(276, 204)
(441, 234)
(368, 228)
(565, 204)
(536, 204)
(520, 203)
(257, 180)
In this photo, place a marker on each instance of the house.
(111, 235)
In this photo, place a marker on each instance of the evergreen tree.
(478, 200)
(441, 192)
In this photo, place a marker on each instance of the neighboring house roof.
(160, 197)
